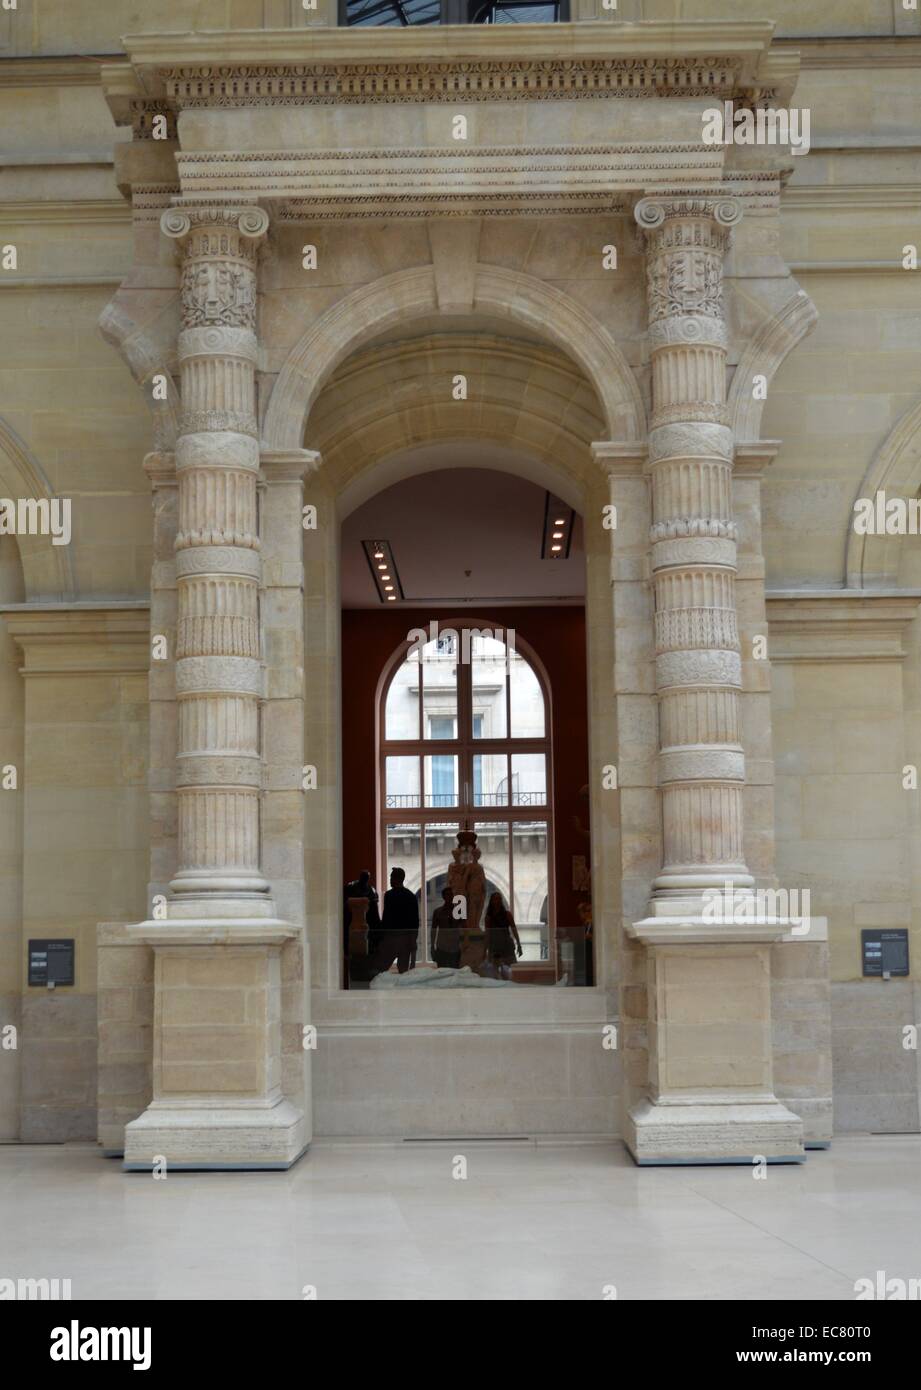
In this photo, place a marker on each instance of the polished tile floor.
(529, 1221)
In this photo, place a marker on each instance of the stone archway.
(873, 560)
(411, 294)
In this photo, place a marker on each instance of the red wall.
(557, 635)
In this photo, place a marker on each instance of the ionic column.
(218, 563)
(709, 1094)
(693, 545)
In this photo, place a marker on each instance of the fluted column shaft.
(218, 564)
(693, 542)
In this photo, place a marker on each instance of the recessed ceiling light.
(559, 521)
(379, 555)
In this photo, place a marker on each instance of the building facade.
(262, 262)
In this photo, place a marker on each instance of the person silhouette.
(446, 932)
(362, 887)
(502, 940)
(399, 926)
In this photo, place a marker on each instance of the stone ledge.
(839, 624)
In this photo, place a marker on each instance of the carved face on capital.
(686, 282)
(216, 292)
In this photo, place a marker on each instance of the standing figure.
(467, 881)
(502, 940)
(446, 932)
(362, 887)
(399, 927)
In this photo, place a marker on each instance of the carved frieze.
(517, 79)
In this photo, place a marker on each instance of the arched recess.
(410, 294)
(873, 561)
(386, 402)
(47, 568)
(762, 356)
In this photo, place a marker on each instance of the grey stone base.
(717, 1133)
(216, 1139)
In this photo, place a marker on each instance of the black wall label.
(51, 962)
(885, 952)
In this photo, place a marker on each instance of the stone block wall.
(125, 1034)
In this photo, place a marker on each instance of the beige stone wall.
(125, 973)
(84, 835)
(11, 755)
(844, 724)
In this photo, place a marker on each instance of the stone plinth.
(217, 1085)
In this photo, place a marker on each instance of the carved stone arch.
(763, 355)
(409, 294)
(145, 359)
(384, 467)
(530, 400)
(873, 561)
(47, 568)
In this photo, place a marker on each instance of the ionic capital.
(251, 223)
(651, 214)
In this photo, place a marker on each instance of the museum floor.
(531, 1221)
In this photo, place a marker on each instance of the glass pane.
(441, 779)
(526, 698)
(401, 719)
(490, 779)
(403, 786)
(440, 839)
(531, 887)
(529, 779)
(523, 14)
(439, 686)
(393, 12)
(492, 842)
(487, 668)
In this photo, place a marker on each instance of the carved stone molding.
(513, 79)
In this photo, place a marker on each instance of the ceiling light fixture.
(559, 521)
(383, 570)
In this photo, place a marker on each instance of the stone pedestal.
(217, 1091)
(710, 1097)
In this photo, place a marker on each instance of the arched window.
(465, 743)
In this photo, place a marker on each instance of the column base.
(713, 1132)
(197, 1138)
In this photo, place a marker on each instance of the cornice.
(52, 72)
(853, 625)
(81, 638)
(95, 212)
(450, 63)
(865, 52)
(841, 197)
